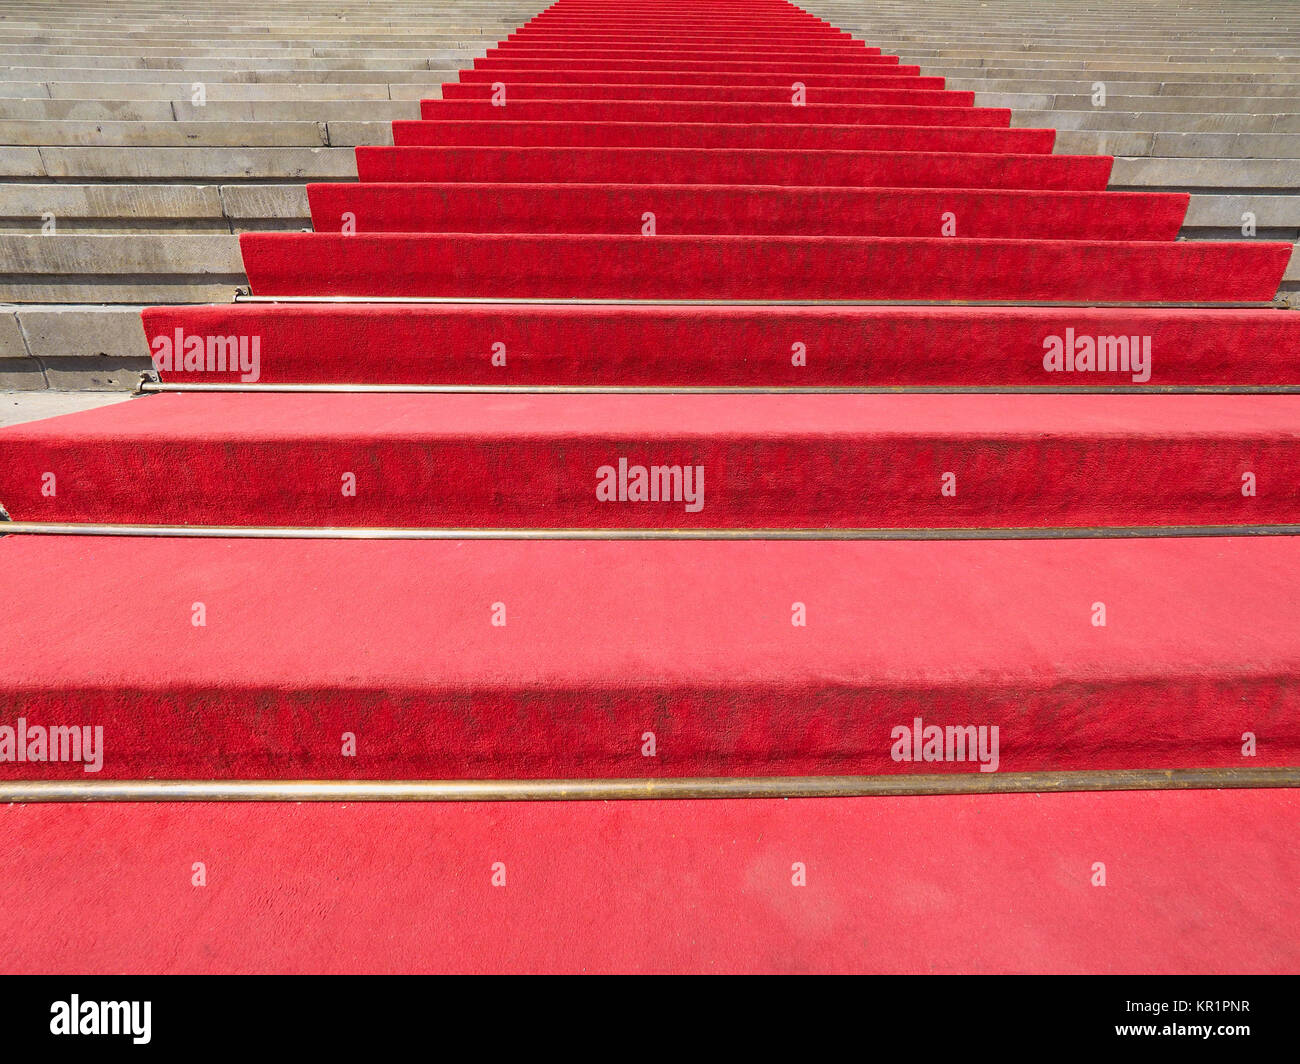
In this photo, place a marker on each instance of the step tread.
(760, 267)
(691, 872)
(396, 638)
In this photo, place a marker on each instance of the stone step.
(681, 209)
(152, 207)
(1192, 145)
(99, 129)
(243, 63)
(627, 886)
(1282, 175)
(1222, 211)
(1163, 82)
(178, 164)
(72, 77)
(1135, 62)
(149, 255)
(1152, 121)
(1156, 104)
(850, 268)
(99, 111)
(251, 134)
(1141, 68)
(161, 134)
(749, 346)
(184, 92)
(120, 268)
(537, 461)
(1236, 92)
(177, 48)
(20, 405)
(70, 348)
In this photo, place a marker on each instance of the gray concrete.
(147, 180)
(71, 347)
(186, 164)
(1200, 96)
(17, 407)
(100, 127)
(80, 332)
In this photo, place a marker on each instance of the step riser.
(808, 29)
(798, 730)
(851, 461)
(747, 21)
(796, 30)
(393, 643)
(900, 78)
(732, 167)
(841, 56)
(673, 70)
(696, 38)
(658, 886)
(678, 210)
(837, 55)
(714, 67)
(780, 95)
(837, 268)
(822, 52)
(673, 111)
(724, 135)
(741, 25)
(739, 347)
(799, 468)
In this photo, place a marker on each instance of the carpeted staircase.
(699, 400)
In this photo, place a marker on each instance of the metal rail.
(562, 301)
(568, 790)
(151, 387)
(91, 528)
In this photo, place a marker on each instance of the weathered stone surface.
(19, 406)
(152, 139)
(21, 375)
(12, 344)
(82, 332)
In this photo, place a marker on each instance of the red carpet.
(395, 642)
(731, 346)
(719, 135)
(842, 60)
(533, 266)
(682, 153)
(807, 73)
(537, 89)
(930, 168)
(725, 461)
(920, 113)
(784, 64)
(461, 207)
(1195, 882)
(899, 77)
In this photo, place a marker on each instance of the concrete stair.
(689, 641)
(148, 135)
(1199, 97)
(286, 577)
(364, 896)
(100, 128)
